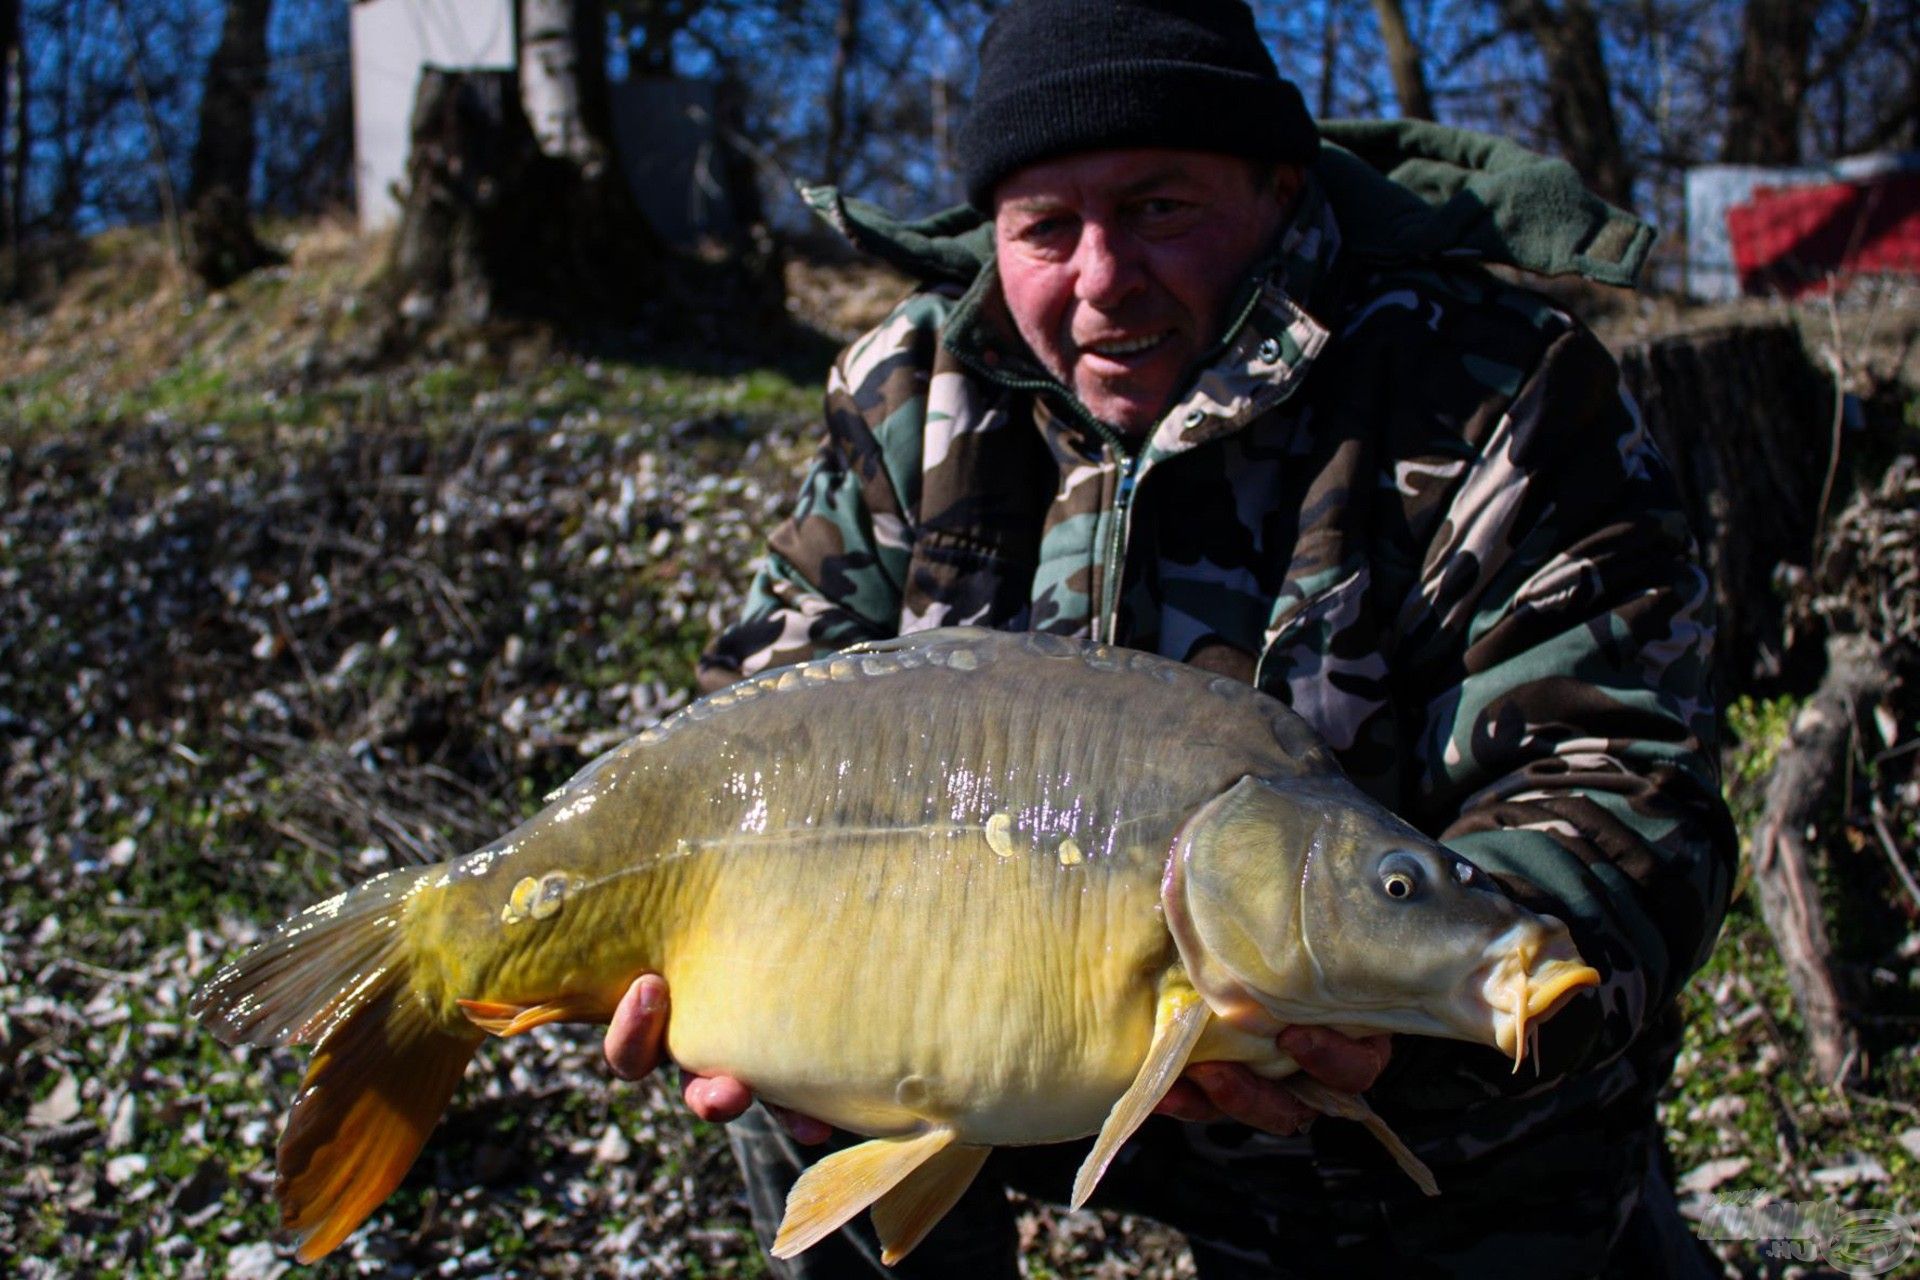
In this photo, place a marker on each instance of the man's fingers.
(1337, 1061)
(1245, 1097)
(720, 1099)
(639, 1027)
(1184, 1101)
(805, 1129)
(717, 1099)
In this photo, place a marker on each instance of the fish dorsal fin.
(846, 1182)
(1351, 1106)
(1178, 1021)
(903, 1216)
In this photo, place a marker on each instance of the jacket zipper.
(1108, 623)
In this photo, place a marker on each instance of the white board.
(393, 40)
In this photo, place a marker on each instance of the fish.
(958, 890)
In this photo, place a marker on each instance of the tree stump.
(1747, 420)
(493, 227)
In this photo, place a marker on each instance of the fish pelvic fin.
(832, 1191)
(1351, 1106)
(1179, 1019)
(373, 1092)
(497, 1019)
(339, 975)
(903, 1216)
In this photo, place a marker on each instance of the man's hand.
(1228, 1091)
(634, 1046)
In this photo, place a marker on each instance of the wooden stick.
(1802, 780)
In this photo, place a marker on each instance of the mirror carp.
(955, 891)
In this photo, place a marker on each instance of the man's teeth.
(1126, 348)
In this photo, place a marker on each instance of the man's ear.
(1285, 182)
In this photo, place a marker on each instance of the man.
(1214, 391)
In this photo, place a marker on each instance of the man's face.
(1118, 266)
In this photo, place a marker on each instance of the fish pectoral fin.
(1351, 1106)
(499, 1019)
(904, 1215)
(846, 1182)
(1178, 1022)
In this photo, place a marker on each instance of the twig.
(1878, 817)
(300, 835)
(1891, 1104)
(1894, 753)
(1836, 359)
(95, 971)
(162, 172)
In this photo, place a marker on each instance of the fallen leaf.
(124, 1169)
(1861, 1168)
(1704, 1178)
(58, 1107)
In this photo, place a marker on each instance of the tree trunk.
(1404, 60)
(224, 246)
(1746, 420)
(555, 66)
(1769, 83)
(13, 132)
(1329, 55)
(845, 27)
(1579, 94)
(494, 226)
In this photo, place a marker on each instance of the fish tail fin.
(339, 974)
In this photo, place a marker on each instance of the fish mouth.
(1531, 974)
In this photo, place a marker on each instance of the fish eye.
(1401, 875)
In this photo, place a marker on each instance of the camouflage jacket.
(1413, 503)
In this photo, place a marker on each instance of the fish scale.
(961, 890)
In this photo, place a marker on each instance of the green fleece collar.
(1402, 191)
(1410, 190)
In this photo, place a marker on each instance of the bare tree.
(562, 80)
(1405, 60)
(13, 132)
(1580, 100)
(846, 25)
(652, 27)
(224, 246)
(306, 118)
(1769, 83)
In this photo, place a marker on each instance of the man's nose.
(1106, 265)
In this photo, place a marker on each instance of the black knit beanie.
(1060, 76)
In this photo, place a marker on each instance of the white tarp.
(393, 40)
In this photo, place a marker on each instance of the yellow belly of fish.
(844, 976)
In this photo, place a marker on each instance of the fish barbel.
(956, 891)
